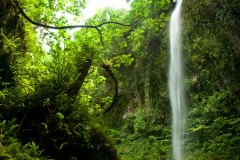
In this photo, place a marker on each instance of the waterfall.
(176, 83)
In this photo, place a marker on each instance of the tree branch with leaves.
(96, 27)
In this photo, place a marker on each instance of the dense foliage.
(102, 94)
(212, 60)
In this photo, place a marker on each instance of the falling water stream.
(176, 83)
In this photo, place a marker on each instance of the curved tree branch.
(115, 98)
(69, 27)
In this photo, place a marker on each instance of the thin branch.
(69, 27)
(115, 98)
(111, 22)
(23, 119)
(101, 37)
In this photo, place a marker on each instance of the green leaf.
(59, 116)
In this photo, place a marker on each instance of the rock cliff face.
(212, 59)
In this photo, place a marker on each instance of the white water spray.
(176, 83)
